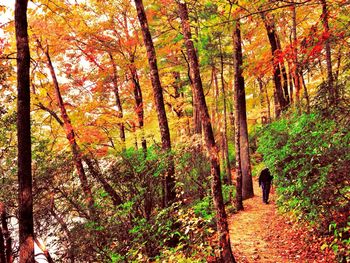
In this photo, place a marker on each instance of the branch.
(52, 113)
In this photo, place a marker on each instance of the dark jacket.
(265, 176)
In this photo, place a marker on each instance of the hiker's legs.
(264, 197)
(267, 186)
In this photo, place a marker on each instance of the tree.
(169, 182)
(5, 238)
(70, 134)
(281, 90)
(222, 226)
(330, 80)
(25, 196)
(239, 96)
(241, 115)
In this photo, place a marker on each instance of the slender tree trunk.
(247, 181)
(92, 165)
(216, 95)
(2, 248)
(339, 57)
(64, 227)
(225, 140)
(281, 102)
(70, 134)
(239, 95)
(118, 103)
(96, 173)
(306, 95)
(291, 85)
(296, 75)
(264, 117)
(222, 225)
(136, 86)
(139, 104)
(159, 101)
(6, 234)
(332, 89)
(24, 161)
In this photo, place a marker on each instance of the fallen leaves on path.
(260, 234)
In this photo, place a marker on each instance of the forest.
(136, 131)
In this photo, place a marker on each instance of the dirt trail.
(260, 234)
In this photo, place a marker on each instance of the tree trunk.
(306, 95)
(25, 196)
(216, 96)
(296, 75)
(169, 181)
(96, 173)
(70, 134)
(264, 102)
(139, 104)
(281, 102)
(222, 225)
(2, 248)
(332, 89)
(64, 226)
(6, 235)
(118, 103)
(225, 140)
(93, 167)
(239, 95)
(241, 114)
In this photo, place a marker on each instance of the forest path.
(260, 234)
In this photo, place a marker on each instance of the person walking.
(265, 180)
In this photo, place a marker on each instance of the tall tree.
(169, 181)
(296, 73)
(281, 92)
(241, 115)
(24, 162)
(239, 95)
(222, 226)
(330, 79)
(71, 136)
(118, 102)
(224, 132)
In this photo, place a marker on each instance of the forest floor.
(261, 234)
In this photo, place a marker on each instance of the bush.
(309, 158)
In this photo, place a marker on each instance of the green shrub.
(309, 158)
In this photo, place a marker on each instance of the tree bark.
(332, 89)
(70, 134)
(64, 227)
(25, 195)
(281, 103)
(238, 96)
(264, 97)
(169, 181)
(296, 73)
(222, 225)
(6, 235)
(118, 103)
(95, 172)
(93, 167)
(306, 95)
(139, 104)
(241, 114)
(225, 139)
(2, 248)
